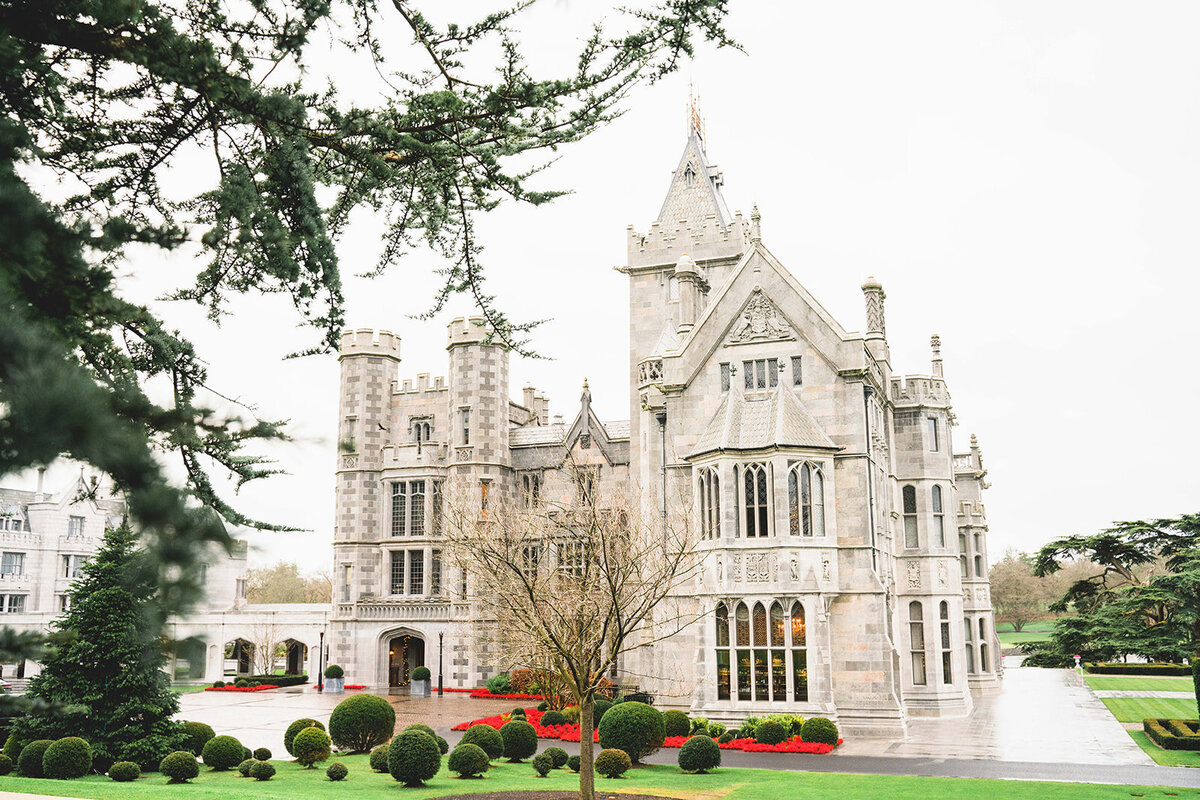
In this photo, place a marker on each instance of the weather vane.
(695, 121)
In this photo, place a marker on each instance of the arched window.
(762, 678)
(757, 509)
(944, 617)
(970, 647)
(962, 558)
(983, 658)
(778, 656)
(799, 654)
(742, 619)
(939, 518)
(806, 497)
(916, 641)
(909, 498)
(709, 491)
(723, 670)
(978, 566)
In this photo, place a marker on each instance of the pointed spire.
(935, 342)
(873, 294)
(755, 224)
(695, 121)
(585, 399)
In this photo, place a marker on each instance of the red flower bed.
(484, 693)
(259, 688)
(793, 745)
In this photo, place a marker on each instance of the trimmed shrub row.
(1120, 668)
(1173, 734)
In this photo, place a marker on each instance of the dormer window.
(689, 175)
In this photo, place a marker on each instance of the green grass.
(1134, 683)
(732, 784)
(1033, 632)
(1166, 758)
(1136, 709)
(189, 689)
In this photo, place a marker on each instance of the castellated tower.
(479, 420)
(369, 363)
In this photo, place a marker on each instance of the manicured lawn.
(1133, 683)
(1033, 632)
(1136, 709)
(190, 689)
(735, 784)
(1166, 758)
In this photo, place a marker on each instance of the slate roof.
(534, 435)
(777, 420)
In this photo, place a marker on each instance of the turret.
(935, 343)
(688, 277)
(478, 392)
(369, 363)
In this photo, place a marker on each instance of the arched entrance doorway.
(296, 656)
(405, 653)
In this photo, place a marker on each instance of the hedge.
(362, 722)
(1173, 734)
(1120, 668)
(275, 680)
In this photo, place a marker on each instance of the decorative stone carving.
(795, 565)
(349, 460)
(462, 453)
(826, 570)
(737, 566)
(943, 575)
(650, 371)
(720, 569)
(760, 322)
(914, 575)
(757, 569)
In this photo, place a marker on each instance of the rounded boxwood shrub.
(198, 735)
(542, 764)
(573, 763)
(699, 754)
(379, 758)
(770, 732)
(69, 757)
(310, 746)
(30, 761)
(6, 764)
(725, 737)
(334, 671)
(468, 760)
(613, 763)
(149, 751)
(417, 726)
(218, 684)
(12, 748)
(413, 758)
(420, 674)
(362, 722)
(517, 712)
(486, 737)
(557, 755)
(443, 745)
(599, 707)
(337, 771)
(676, 723)
(543, 706)
(819, 729)
(262, 754)
(520, 740)
(246, 753)
(290, 734)
(244, 767)
(180, 766)
(125, 771)
(241, 683)
(716, 729)
(553, 718)
(262, 771)
(633, 727)
(222, 753)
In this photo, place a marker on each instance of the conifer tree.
(106, 682)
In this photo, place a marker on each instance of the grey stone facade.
(842, 541)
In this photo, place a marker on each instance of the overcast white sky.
(1021, 176)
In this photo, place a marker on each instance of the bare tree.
(264, 637)
(573, 586)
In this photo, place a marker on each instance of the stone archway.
(295, 657)
(406, 652)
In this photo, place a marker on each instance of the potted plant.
(420, 682)
(334, 679)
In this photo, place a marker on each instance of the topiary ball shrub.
(29, 763)
(553, 718)
(716, 729)
(262, 771)
(443, 745)
(244, 767)
(770, 732)
(361, 722)
(486, 737)
(241, 683)
(543, 706)
(599, 708)
(557, 755)
(6, 764)
(819, 730)
(676, 723)
(413, 758)
(520, 740)
(421, 674)
(468, 760)
(246, 753)
(262, 754)
(310, 746)
(699, 754)
(125, 771)
(613, 763)
(417, 726)
(222, 753)
(337, 771)
(542, 764)
(573, 763)
(218, 684)
(68, 758)
(379, 758)
(180, 766)
(725, 737)
(517, 712)
(633, 727)
(333, 671)
(295, 728)
(198, 735)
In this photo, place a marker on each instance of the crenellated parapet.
(423, 385)
(919, 390)
(368, 341)
(469, 330)
(666, 242)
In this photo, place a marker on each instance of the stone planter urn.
(335, 685)
(419, 688)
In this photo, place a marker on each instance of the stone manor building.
(843, 538)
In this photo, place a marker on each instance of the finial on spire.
(755, 224)
(695, 121)
(935, 342)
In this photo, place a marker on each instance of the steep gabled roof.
(695, 192)
(777, 420)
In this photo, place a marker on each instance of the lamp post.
(440, 636)
(321, 664)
